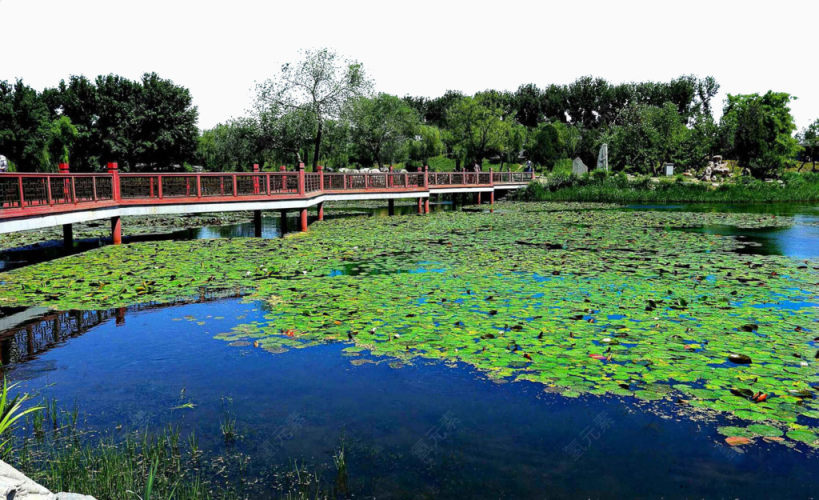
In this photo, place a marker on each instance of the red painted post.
(321, 187)
(256, 178)
(491, 177)
(420, 206)
(366, 181)
(321, 211)
(301, 193)
(113, 171)
(235, 186)
(116, 231)
(20, 190)
(159, 186)
(492, 201)
(389, 178)
(64, 169)
(267, 184)
(479, 198)
(198, 185)
(48, 192)
(426, 176)
(303, 218)
(426, 205)
(151, 190)
(73, 190)
(94, 188)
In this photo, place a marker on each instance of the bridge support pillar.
(391, 207)
(283, 222)
(478, 197)
(320, 211)
(426, 205)
(491, 201)
(257, 223)
(116, 230)
(420, 206)
(68, 236)
(303, 219)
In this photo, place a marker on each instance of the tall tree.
(528, 106)
(809, 140)
(380, 126)
(758, 131)
(320, 83)
(24, 127)
(474, 127)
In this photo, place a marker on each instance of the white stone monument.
(603, 158)
(4, 164)
(669, 169)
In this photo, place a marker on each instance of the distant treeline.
(145, 123)
(322, 110)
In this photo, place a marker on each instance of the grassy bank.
(619, 189)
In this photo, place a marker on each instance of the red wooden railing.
(31, 193)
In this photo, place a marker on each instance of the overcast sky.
(218, 49)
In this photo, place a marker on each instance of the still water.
(427, 430)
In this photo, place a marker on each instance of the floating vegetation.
(593, 301)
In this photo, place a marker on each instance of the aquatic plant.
(580, 299)
(11, 410)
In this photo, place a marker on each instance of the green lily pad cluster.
(583, 301)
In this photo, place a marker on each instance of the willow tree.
(320, 83)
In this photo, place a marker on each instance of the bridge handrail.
(21, 191)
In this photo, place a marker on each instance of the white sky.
(219, 49)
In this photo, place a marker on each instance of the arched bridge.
(36, 200)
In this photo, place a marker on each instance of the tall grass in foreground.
(52, 450)
(618, 189)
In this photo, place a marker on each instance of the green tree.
(319, 84)
(473, 129)
(646, 136)
(61, 137)
(165, 129)
(380, 127)
(24, 127)
(544, 146)
(809, 140)
(232, 146)
(758, 131)
(426, 144)
(77, 100)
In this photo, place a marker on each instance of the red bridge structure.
(38, 200)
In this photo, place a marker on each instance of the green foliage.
(319, 85)
(544, 146)
(809, 140)
(617, 189)
(24, 126)
(757, 130)
(474, 128)
(11, 410)
(380, 128)
(426, 145)
(646, 136)
(61, 137)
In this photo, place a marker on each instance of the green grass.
(617, 189)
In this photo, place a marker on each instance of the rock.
(578, 167)
(740, 359)
(15, 485)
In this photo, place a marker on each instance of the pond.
(326, 341)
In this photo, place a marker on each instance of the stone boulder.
(14, 485)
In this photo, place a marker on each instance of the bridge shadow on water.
(11, 258)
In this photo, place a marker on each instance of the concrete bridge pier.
(116, 230)
(303, 219)
(420, 206)
(320, 210)
(391, 207)
(68, 236)
(283, 222)
(257, 223)
(426, 205)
